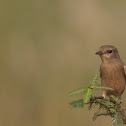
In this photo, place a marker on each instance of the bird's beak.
(99, 53)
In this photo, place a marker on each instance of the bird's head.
(108, 53)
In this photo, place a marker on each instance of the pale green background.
(47, 50)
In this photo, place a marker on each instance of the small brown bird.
(112, 71)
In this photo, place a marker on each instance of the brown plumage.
(112, 71)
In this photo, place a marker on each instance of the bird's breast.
(113, 75)
(112, 71)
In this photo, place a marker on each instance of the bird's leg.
(104, 93)
(119, 97)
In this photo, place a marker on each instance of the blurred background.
(47, 50)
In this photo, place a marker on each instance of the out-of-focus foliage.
(47, 47)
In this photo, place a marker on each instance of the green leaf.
(87, 94)
(117, 120)
(101, 87)
(94, 79)
(77, 104)
(114, 98)
(77, 91)
(109, 103)
(112, 110)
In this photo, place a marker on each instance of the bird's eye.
(109, 51)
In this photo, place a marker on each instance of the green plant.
(107, 107)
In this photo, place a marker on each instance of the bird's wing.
(125, 69)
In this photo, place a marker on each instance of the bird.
(112, 71)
